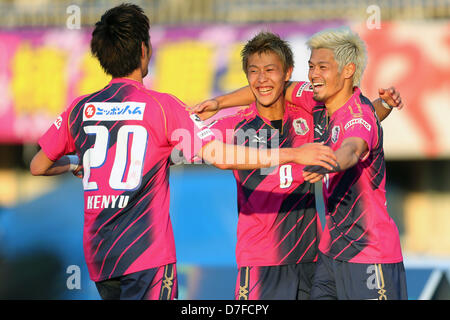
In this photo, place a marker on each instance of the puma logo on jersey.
(257, 139)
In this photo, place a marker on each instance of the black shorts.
(152, 284)
(285, 282)
(341, 280)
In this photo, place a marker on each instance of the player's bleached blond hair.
(347, 47)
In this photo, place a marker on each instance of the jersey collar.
(267, 121)
(127, 80)
(350, 101)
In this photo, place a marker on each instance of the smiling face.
(324, 75)
(267, 78)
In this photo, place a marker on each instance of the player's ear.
(288, 74)
(146, 51)
(349, 70)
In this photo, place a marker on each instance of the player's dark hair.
(117, 39)
(265, 42)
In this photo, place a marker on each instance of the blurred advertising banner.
(416, 59)
(43, 70)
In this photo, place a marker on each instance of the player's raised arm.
(388, 99)
(229, 156)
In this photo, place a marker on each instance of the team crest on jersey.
(306, 86)
(335, 133)
(113, 111)
(300, 126)
(58, 122)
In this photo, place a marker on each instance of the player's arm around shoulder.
(290, 90)
(240, 97)
(236, 157)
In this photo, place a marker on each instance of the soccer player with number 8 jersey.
(124, 136)
(278, 226)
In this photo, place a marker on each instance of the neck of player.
(338, 100)
(136, 75)
(274, 111)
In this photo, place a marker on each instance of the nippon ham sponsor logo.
(357, 121)
(113, 111)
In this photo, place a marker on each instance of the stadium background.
(45, 63)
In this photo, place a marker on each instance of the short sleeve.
(302, 96)
(224, 127)
(57, 141)
(186, 132)
(362, 125)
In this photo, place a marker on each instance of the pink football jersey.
(358, 227)
(124, 135)
(278, 222)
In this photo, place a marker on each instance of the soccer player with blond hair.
(360, 254)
